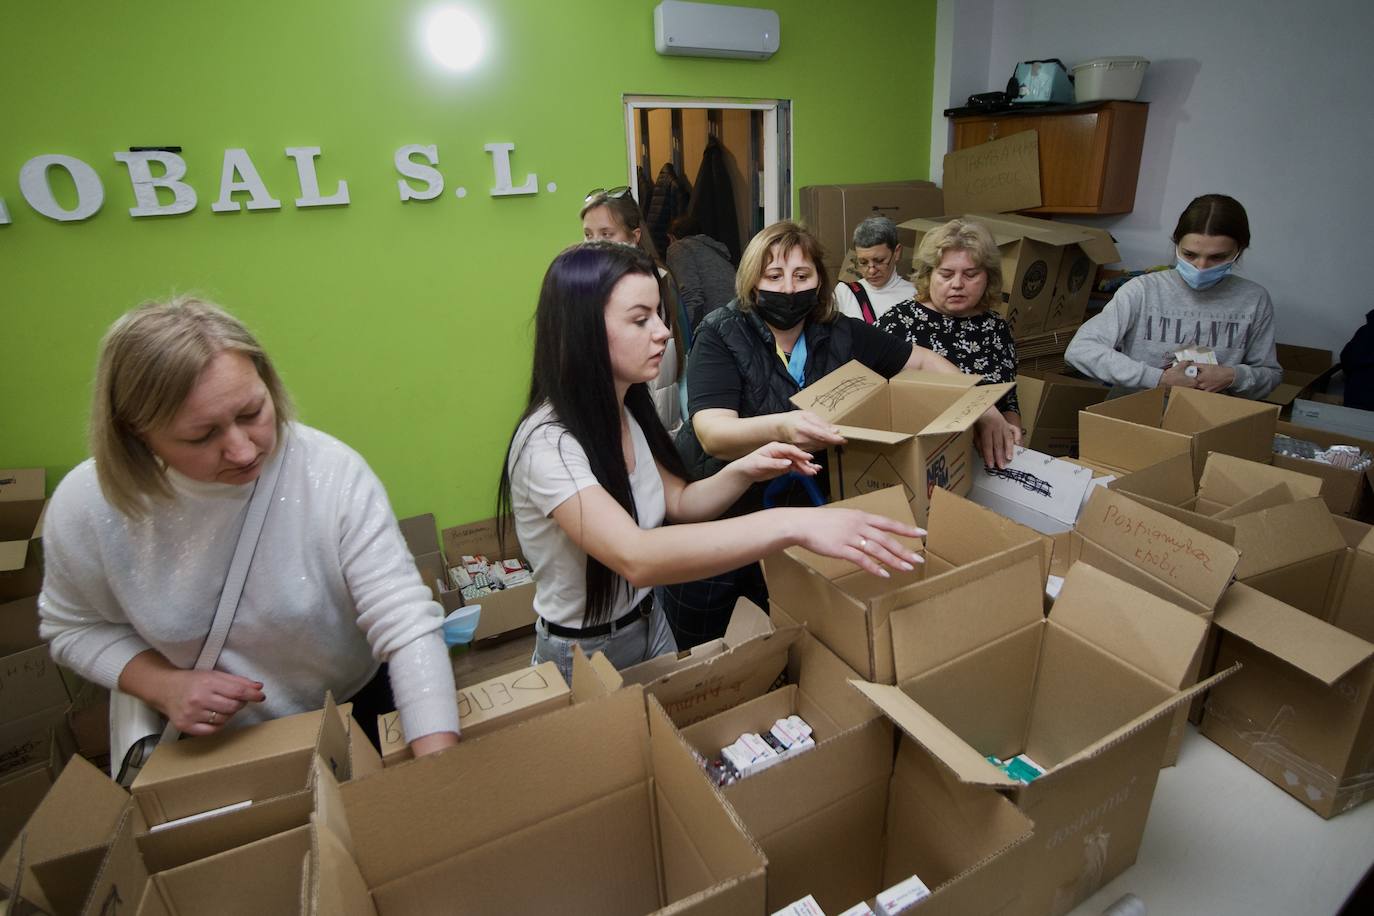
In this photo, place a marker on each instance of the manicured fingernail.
(884, 573)
(907, 567)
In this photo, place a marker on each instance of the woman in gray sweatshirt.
(1200, 303)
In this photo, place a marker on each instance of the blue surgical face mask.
(1207, 278)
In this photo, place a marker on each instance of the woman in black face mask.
(780, 334)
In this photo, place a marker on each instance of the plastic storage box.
(1107, 78)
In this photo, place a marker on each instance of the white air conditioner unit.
(711, 30)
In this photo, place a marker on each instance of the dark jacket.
(713, 199)
(704, 275)
(1357, 361)
(767, 386)
(669, 200)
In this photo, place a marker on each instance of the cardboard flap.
(1042, 230)
(1150, 634)
(875, 436)
(1228, 480)
(333, 885)
(1145, 718)
(21, 484)
(964, 412)
(1277, 495)
(1285, 534)
(998, 176)
(81, 810)
(1100, 247)
(1309, 644)
(747, 620)
(1169, 481)
(593, 677)
(837, 393)
(933, 735)
(97, 880)
(1187, 559)
(889, 501)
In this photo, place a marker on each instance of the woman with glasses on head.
(613, 216)
(1133, 343)
(780, 334)
(591, 475)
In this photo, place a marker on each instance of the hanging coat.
(713, 201)
(669, 200)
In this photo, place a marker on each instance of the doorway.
(749, 142)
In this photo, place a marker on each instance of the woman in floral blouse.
(958, 278)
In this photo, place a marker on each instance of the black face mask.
(785, 310)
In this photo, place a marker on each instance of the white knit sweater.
(332, 591)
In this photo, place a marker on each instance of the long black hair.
(572, 374)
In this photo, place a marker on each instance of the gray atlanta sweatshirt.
(1133, 340)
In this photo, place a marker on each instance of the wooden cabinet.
(1089, 154)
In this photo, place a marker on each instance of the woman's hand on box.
(996, 438)
(807, 430)
(774, 460)
(201, 702)
(428, 744)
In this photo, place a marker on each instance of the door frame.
(777, 143)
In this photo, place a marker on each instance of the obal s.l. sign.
(415, 163)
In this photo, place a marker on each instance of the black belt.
(643, 609)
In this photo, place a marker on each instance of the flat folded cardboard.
(503, 610)
(1049, 409)
(1133, 432)
(1300, 713)
(913, 430)
(1083, 249)
(599, 807)
(701, 681)
(996, 177)
(1153, 551)
(21, 528)
(832, 211)
(848, 609)
(1348, 492)
(982, 671)
(846, 794)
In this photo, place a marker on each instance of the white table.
(1221, 839)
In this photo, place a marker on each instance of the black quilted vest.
(767, 385)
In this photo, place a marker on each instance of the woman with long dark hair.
(591, 475)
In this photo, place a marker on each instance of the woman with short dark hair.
(1133, 343)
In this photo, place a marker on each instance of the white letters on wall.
(146, 185)
(434, 182)
(310, 182)
(238, 163)
(500, 161)
(33, 184)
(4, 213)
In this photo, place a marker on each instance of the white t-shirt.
(883, 298)
(547, 468)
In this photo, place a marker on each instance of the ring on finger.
(214, 717)
(863, 542)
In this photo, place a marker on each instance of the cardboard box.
(1304, 370)
(1153, 551)
(1334, 418)
(600, 803)
(1347, 492)
(1133, 432)
(502, 611)
(846, 794)
(994, 177)
(1050, 403)
(22, 789)
(982, 671)
(1083, 250)
(848, 609)
(832, 211)
(421, 536)
(913, 430)
(701, 681)
(1300, 711)
(33, 695)
(21, 528)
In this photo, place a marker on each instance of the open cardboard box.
(1348, 492)
(503, 610)
(701, 681)
(422, 537)
(1304, 370)
(599, 807)
(1133, 432)
(506, 699)
(914, 430)
(848, 609)
(33, 695)
(846, 794)
(982, 671)
(833, 211)
(1049, 409)
(21, 789)
(1300, 712)
(21, 529)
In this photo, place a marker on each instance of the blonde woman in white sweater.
(188, 413)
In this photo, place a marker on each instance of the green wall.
(402, 328)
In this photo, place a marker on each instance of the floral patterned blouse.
(978, 344)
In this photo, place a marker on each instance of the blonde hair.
(784, 235)
(959, 235)
(149, 361)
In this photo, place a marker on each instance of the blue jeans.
(642, 639)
